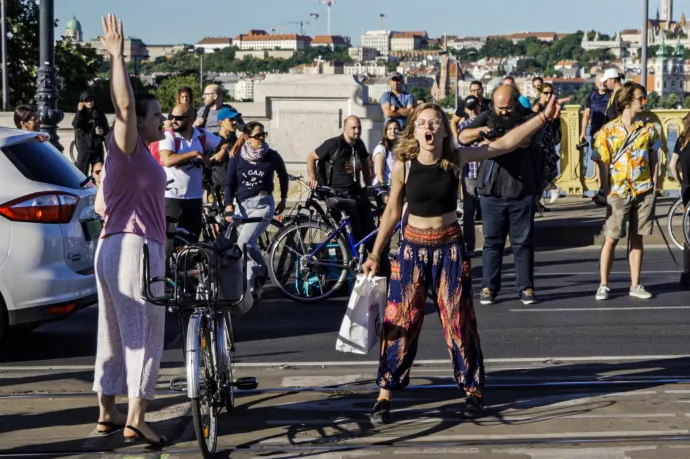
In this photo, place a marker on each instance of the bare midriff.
(432, 222)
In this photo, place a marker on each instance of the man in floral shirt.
(627, 156)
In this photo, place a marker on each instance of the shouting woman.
(432, 256)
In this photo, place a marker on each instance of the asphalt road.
(567, 321)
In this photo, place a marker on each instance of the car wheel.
(4, 324)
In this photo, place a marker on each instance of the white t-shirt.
(186, 181)
(387, 164)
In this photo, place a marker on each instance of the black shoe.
(474, 407)
(685, 280)
(381, 414)
(527, 296)
(140, 437)
(487, 296)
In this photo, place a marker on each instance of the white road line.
(594, 272)
(458, 438)
(562, 360)
(632, 308)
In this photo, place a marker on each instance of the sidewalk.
(634, 402)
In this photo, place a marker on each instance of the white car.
(48, 233)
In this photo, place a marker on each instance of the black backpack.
(326, 167)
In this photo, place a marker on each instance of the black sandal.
(162, 441)
(110, 427)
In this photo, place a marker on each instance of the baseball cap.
(227, 113)
(471, 102)
(396, 76)
(610, 74)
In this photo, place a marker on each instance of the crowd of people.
(501, 153)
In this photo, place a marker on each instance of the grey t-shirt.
(211, 120)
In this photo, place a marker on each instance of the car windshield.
(42, 162)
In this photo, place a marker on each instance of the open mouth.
(429, 137)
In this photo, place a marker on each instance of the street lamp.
(5, 79)
(643, 51)
(47, 90)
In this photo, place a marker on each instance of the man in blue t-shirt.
(595, 110)
(396, 103)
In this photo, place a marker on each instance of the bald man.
(207, 116)
(595, 117)
(508, 186)
(340, 161)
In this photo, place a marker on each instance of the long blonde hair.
(407, 146)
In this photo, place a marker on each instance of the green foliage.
(686, 102)
(77, 65)
(421, 94)
(167, 90)
(448, 101)
(670, 101)
(653, 100)
(581, 95)
(497, 47)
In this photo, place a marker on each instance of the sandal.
(140, 437)
(110, 427)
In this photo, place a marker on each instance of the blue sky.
(184, 21)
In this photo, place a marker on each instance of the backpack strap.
(202, 139)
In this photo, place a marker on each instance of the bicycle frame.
(352, 245)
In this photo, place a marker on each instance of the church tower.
(666, 10)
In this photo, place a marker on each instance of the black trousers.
(685, 194)
(86, 159)
(470, 210)
(187, 212)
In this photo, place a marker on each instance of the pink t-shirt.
(134, 193)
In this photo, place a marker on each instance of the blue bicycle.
(310, 260)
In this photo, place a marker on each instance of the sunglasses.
(259, 136)
(548, 93)
(96, 172)
(180, 118)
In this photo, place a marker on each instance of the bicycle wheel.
(226, 346)
(291, 258)
(204, 410)
(686, 225)
(675, 223)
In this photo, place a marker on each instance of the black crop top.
(431, 191)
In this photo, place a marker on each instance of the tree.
(686, 102)
(421, 94)
(670, 101)
(77, 66)
(167, 90)
(22, 49)
(497, 47)
(653, 100)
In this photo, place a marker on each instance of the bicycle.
(686, 225)
(208, 344)
(677, 209)
(320, 267)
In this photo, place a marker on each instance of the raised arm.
(125, 130)
(512, 139)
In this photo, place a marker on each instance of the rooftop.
(215, 41)
(329, 40)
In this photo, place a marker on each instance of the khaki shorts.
(639, 210)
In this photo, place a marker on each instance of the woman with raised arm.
(130, 330)
(432, 256)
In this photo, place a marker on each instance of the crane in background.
(301, 25)
(278, 28)
(328, 3)
(381, 16)
(316, 22)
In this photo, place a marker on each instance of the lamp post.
(5, 79)
(643, 51)
(47, 89)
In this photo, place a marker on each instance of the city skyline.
(352, 17)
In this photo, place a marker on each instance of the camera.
(581, 145)
(493, 134)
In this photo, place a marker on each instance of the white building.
(362, 54)
(669, 76)
(408, 41)
(467, 43)
(210, 44)
(244, 90)
(380, 40)
(371, 68)
(258, 41)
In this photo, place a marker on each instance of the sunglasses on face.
(259, 136)
(547, 93)
(180, 118)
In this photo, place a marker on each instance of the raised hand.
(113, 38)
(552, 110)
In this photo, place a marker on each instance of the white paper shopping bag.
(361, 327)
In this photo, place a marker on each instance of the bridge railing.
(577, 170)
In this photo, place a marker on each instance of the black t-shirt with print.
(612, 111)
(346, 163)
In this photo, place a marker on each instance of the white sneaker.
(640, 292)
(554, 195)
(603, 293)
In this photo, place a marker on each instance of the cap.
(610, 74)
(396, 76)
(471, 102)
(228, 113)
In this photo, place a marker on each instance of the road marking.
(552, 361)
(632, 308)
(463, 438)
(592, 273)
(324, 381)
